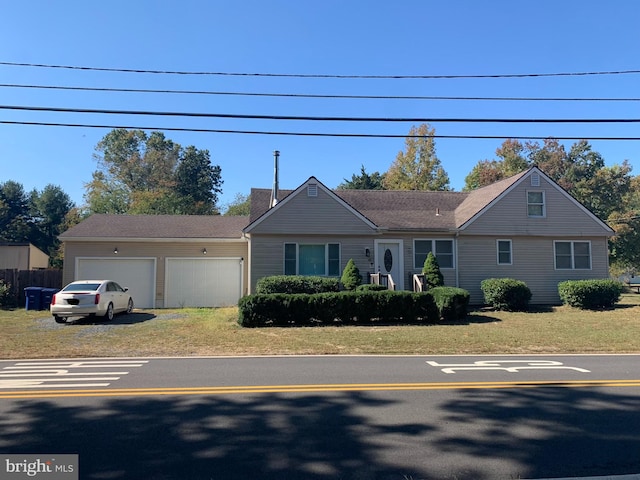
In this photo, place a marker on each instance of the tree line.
(147, 173)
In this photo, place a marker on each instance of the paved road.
(417, 417)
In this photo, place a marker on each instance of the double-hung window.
(535, 204)
(505, 255)
(442, 249)
(572, 255)
(312, 259)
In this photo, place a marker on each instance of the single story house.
(525, 227)
(22, 256)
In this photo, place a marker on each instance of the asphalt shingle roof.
(157, 226)
(388, 209)
(405, 209)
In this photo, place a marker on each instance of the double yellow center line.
(346, 387)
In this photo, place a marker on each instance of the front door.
(389, 261)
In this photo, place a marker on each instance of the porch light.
(204, 251)
(115, 251)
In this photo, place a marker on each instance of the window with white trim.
(535, 204)
(321, 259)
(572, 255)
(442, 249)
(504, 252)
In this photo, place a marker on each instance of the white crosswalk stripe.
(65, 374)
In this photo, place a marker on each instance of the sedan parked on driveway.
(102, 298)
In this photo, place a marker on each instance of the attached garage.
(167, 261)
(137, 274)
(203, 282)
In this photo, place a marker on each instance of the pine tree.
(351, 277)
(431, 270)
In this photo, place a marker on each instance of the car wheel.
(109, 313)
(130, 306)
(60, 319)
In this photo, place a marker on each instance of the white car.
(102, 298)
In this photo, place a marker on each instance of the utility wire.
(302, 75)
(321, 119)
(310, 134)
(309, 95)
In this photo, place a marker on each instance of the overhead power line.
(321, 119)
(314, 75)
(310, 134)
(330, 96)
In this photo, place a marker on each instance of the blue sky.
(331, 37)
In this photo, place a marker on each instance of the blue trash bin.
(33, 296)
(46, 296)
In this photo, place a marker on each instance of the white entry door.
(389, 260)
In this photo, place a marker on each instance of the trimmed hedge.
(452, 302)
(292, 284)
(506, 294)
(348, 307)
(371, 287)
(590, 294)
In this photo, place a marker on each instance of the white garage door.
(203, 282)
(137, 274)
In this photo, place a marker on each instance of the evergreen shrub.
(590, 294)
(351, 277)
(506, 294)
(351, 307)
(292, 284)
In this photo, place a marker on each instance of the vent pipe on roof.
(274, 190)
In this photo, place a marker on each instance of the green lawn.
(29, 334)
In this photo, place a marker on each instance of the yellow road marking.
(356, 387)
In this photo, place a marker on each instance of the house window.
(504, 252)
(535, 204)
(312, 259)
(442, 249)
(572, 255)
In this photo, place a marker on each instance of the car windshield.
(81, 287)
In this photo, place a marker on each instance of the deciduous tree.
(241, 205)
(417, 167)
(140, 173)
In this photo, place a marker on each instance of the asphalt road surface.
(331, 417)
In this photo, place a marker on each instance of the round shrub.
(506, 294)
(590, 294)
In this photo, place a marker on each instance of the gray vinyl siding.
(303, 215)
(159, 250)
(267, 253)
(508, 215)
(533, 262)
